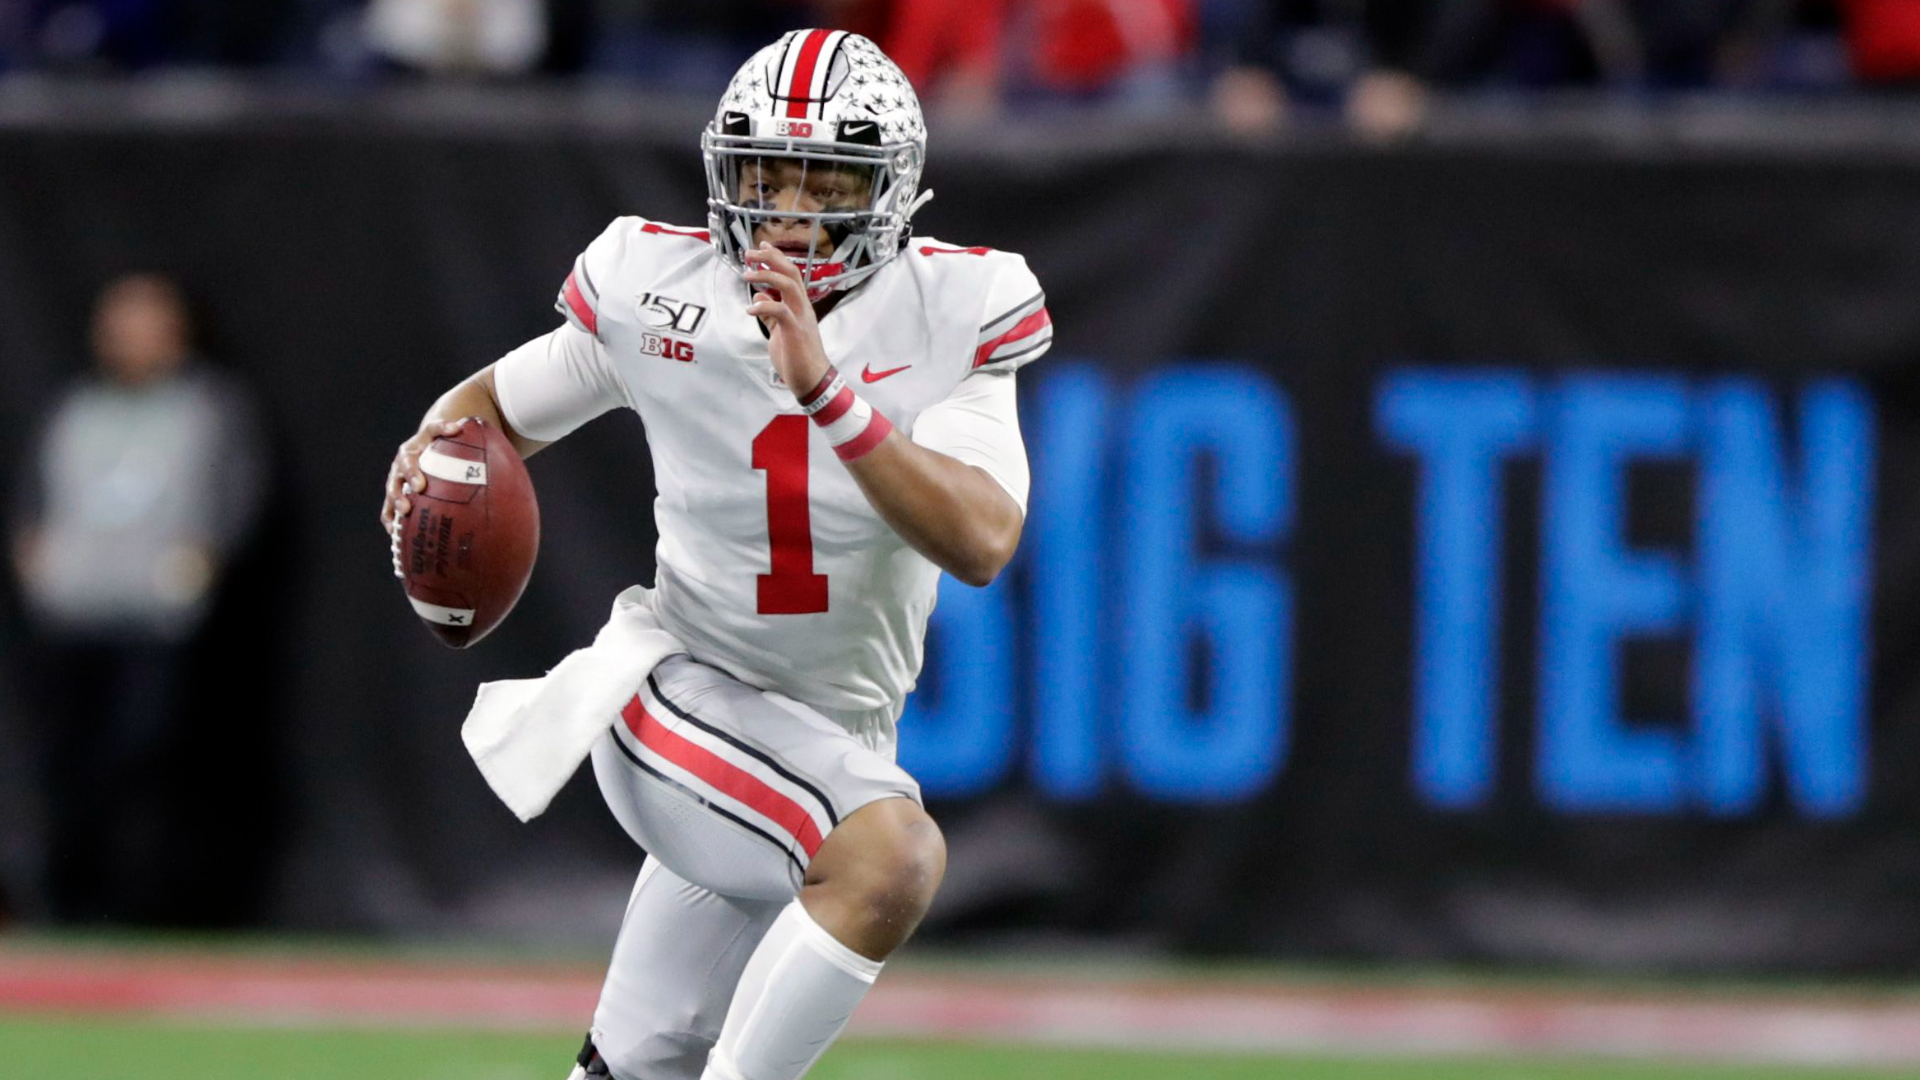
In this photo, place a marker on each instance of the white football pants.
(730, 791)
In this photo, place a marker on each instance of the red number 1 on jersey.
(793, 588)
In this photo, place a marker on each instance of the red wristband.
(871, 436)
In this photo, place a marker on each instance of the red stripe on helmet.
(799, 92)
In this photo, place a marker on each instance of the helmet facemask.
(850, 198)
(818, 100)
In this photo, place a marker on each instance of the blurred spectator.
(490, 37)
(145, 484)
(1378, 58)
(1883, 37)
(972, 57)
(1269, 55)
(1096, 46)
(132, 35)
(1255, 62)
(952, 51)
(13, 36)
(690, 49)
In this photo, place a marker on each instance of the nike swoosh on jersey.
(867, 374)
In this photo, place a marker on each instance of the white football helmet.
(824, 100)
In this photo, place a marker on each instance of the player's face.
(806, 187)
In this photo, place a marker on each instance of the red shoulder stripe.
(1026, 327)
(701, 235)
(582, 310)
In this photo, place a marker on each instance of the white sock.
(797, 993)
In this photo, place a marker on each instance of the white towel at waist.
(529, 735)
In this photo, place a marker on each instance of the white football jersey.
(771, 564)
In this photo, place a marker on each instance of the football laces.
(393, 532)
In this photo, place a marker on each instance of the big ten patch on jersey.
(670, 325)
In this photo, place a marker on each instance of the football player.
(829, 405)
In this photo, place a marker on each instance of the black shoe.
(590, 1062)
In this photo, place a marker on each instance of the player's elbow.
(977, 575)
(988, 552)
(487, 384)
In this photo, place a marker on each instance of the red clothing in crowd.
(1071, 45)
(1884, 37)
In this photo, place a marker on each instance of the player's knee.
(888, 865)
(909, 868)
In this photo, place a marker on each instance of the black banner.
(1460, 551)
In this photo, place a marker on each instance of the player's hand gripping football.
(780, 301)
(404, 478)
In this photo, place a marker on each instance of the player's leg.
(867, 878)
(751, 795)
(873, 879)
(675, 964)
(867, 889)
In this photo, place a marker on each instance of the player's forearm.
(953, 513)
(475, 396)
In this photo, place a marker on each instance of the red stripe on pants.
(724, 776)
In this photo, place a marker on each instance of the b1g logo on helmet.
(794, 129)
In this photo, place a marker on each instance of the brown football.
(467, 548)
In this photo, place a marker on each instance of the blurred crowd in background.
(1255, 63)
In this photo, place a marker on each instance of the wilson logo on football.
(668, 347)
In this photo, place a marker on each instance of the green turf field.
(34, 1048)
